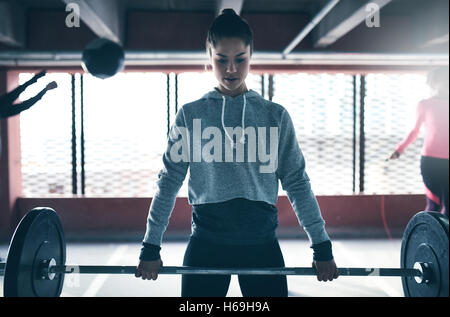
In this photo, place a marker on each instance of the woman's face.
(230, 61)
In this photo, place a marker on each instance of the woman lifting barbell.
(234, 217)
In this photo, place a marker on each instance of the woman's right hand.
(394, 156)
(148, 270)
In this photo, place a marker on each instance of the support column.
(362, 133)
(10, 163)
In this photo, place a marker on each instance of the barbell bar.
(349, 271)
(36, 266)
(48, 270)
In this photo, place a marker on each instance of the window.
(126, 117)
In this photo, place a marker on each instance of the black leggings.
(202, 253)
(435, 177)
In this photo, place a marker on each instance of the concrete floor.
(347, 253)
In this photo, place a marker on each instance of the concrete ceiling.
(282, 26)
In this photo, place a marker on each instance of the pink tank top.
(433, 113)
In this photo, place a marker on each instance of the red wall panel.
(109, 218)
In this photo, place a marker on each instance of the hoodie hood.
(216, 94)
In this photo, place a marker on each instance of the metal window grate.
(45, 136)
(125, 130)
(125, 133)
(389, 115)
(321, 108)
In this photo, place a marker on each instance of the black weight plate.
(443, 220)
(39, 236)
(426, 240)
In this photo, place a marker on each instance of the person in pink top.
(433, 113)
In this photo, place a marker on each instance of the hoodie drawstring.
(242, 139)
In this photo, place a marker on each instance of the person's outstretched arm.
(8, 109)
(10, 97)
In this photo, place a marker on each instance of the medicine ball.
(103, 58)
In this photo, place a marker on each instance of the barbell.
(35, 265)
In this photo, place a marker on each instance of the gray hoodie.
(235, 147)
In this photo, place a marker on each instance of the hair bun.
(228, 11)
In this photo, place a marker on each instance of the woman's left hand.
(326, 270)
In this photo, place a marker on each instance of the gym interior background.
(92, 148)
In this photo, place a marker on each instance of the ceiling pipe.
(143, 58)
(311, 25)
